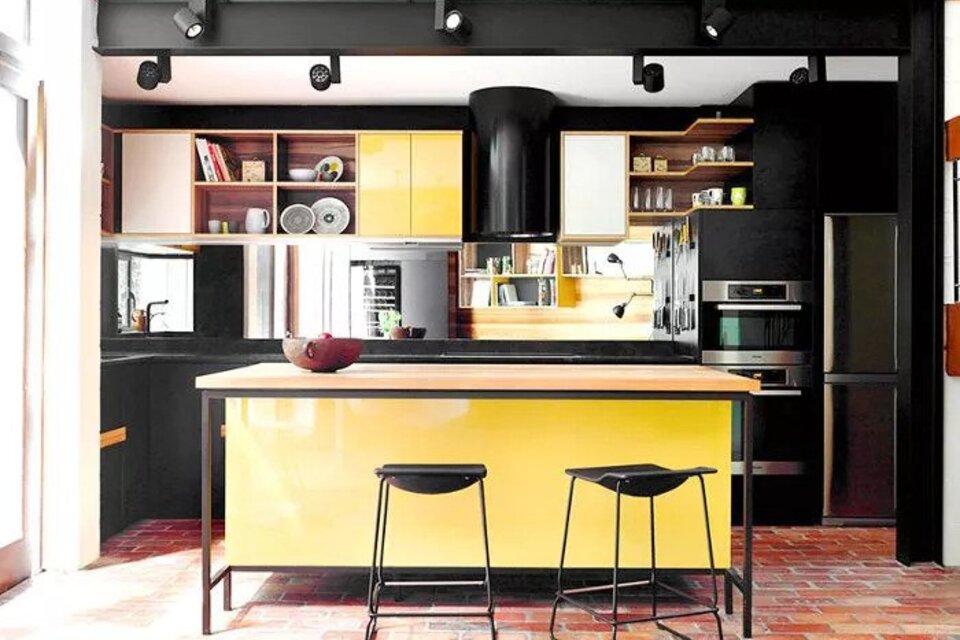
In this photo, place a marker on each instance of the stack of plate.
(327, 216)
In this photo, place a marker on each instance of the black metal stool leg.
(713, 570)
(228, 590)
(616, 565)
(653, 560)
(727, 594)
(376, 568)
(563, 555)
(486, 556)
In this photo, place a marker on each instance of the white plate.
(297, 219)
(332, 216)
(330, 164)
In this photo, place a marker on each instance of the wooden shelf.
(702, 130)
(318, 186)
(203, 184)
(642, 217)
(703, 172)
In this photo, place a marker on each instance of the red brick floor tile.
(811, 584)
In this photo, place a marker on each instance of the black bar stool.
(425, 479)
(647, 481)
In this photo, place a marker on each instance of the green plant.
(388, 320)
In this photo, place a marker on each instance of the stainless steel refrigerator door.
(859, 428)
(859, 291)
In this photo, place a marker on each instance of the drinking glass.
(668, 199)
(708, 154)
(647, 199)
(727, 154)
(660, 199)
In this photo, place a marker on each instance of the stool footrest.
(433, 583)
(438, 614)
(608, 587)
(607, 618)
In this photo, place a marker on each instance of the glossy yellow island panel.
(300, 488)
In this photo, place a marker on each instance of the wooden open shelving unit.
(685, 178)
(560, 290)
(280, 151)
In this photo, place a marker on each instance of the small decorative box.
(254, 171)
(659, 164)
(642, 164)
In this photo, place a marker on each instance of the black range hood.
(514, 165)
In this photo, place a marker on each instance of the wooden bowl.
(322, 355)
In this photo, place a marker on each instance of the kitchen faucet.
(151, 314)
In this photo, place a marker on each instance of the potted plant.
(390, 322)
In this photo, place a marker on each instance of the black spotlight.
(800, 75)
(193, 19)
(150, 74)
(648, 75)
(716, 18)
(615, 259)
(322, 76)
(451, 22)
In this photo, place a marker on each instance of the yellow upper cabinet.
(437, 180)
(384, 184)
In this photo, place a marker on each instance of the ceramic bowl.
(322, 355)
(303, 175)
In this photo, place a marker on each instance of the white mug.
(257, 220)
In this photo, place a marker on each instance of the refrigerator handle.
(828, 294)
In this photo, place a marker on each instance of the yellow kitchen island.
(301, 449)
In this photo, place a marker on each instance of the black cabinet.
(175, 440)
(756, 245)
(124, 453)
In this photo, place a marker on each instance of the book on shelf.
(206, 163)
(217, 162)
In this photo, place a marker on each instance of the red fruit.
(326, 336)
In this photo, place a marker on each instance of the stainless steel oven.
(756, 322)
(784, 442)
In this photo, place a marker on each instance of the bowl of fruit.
(324, 354)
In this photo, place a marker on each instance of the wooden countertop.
(482, 377)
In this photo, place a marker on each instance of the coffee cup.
(213, 226)
(716, 195)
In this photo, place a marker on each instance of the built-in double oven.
(764, 330)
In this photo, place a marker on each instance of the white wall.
(951, 391)
(62, 36)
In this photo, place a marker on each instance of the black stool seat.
(432, 478)
(638, 480)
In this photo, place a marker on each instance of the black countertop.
(129, 349)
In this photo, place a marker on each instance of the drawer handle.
(113, 437)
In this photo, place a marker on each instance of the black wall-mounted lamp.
(648, 75)
(150, 74)
(450, 20)
(195, 19)
(322, 76)
(715, 19)
(620, 309)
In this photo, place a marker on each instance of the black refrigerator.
(860, 368)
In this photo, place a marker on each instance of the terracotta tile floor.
(810, 583)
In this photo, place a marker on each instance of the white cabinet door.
(594, 187)
(157, 182)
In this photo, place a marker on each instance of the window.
(154, 293)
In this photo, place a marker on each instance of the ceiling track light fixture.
(150, 74)
(322, 76)
(450, 20)
(716, 18)
(648, 75)
(815, 71)
(195, 19)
